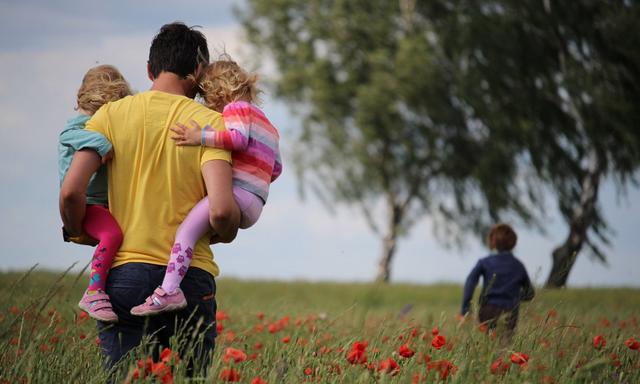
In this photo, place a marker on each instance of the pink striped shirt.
(254, 142)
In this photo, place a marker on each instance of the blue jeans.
(130, 284)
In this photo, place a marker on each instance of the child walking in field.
(100, 85)
(253, 140)
(505, 281)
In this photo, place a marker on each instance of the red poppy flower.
(405, 352)
(632, 343)
(83, 316)
(257, 345)
(499, 367)
(286, 339)
(443, 367)
(163, 372)
(220, 315)
(389, 366)
(599, 342)
(438, 341)
(258, 380)
(435, 331)
(358, 354)
(548, 380)
(229, 374)
(519, 358)
(614, 360)
(168, 356)
(308, 371)
(260, 317)
(219, 328)
(234, 354)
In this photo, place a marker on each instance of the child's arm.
(470, 286)
(80, 139)
(527, 292)
(237, 121)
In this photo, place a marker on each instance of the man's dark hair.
(178, 49)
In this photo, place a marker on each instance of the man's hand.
(83, 239)
(107, 157)
(214, 239)
(184, 135)
(73, 199)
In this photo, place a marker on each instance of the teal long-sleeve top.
(74, 138)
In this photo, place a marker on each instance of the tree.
(383, 124)
(560, 80)
(461, 110)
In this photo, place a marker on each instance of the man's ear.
(149, 73)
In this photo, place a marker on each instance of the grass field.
(312, 332)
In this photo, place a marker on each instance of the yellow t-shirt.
(153, 183)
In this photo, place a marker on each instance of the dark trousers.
(130, 284)
(490, 314)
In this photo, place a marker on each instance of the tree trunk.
(564, 256)
(389, 243)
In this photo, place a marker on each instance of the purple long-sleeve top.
(505, 282)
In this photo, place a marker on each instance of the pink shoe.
(98, 306)
(160, 301)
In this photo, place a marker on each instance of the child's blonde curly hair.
(223, 82)
(101, 85)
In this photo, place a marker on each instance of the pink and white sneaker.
(98, 306)
(160, 301)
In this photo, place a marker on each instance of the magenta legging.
(100, 224)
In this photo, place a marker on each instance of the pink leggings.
(195, 225)
(100, 224)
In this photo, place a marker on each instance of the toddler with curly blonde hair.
(100, 85)
(253, 140)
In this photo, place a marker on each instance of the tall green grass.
(44, 338)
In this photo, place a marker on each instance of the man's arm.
(224, 214)
(73, 198)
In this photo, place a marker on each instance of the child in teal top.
(100, 85)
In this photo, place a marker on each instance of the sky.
(47, 46)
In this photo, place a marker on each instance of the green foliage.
(465, 111)
(43, 338)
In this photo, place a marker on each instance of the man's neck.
(169, 82)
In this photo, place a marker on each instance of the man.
(152, 186)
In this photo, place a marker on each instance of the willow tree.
(558, 81)
(384, 125)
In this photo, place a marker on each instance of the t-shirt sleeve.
(209, 153)
(79, 139)
(99, 123)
